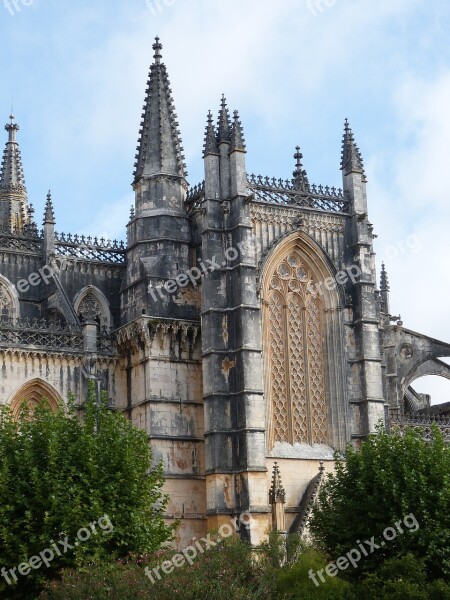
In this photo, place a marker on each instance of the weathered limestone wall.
(62, 372)
(162, 370)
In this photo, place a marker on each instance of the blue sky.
(77, 72)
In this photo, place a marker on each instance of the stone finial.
(157, 47)
(277, 493)
(159, 149)
(351, 159)
(300, 177)
(237, 134)
(12, 128)
(224, 123)
(210, 146)
(49, 215)
(132, 212)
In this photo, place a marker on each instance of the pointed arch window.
(90, 309)
(294, 336)
(6, 303)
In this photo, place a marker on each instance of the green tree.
(59, 474)
(377, 486)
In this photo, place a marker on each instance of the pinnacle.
(300, 177)
(159, 148)
(384, 280)
(224, 123)
(210, 146)
(351, 159)
(49, 215)
(276, 492)
(237, 134)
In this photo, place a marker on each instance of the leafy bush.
(229, 571)
(389, 478)
(235, 571)
(59, 474)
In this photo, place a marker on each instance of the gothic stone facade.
(241, 324)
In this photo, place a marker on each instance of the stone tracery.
(297, 389)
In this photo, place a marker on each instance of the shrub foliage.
(60, 473)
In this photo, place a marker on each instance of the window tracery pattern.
(6, 303)
(295, 343)
(90, 309)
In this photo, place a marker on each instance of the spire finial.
(157, 47)
(210, 146)
(300, 177)
(351, 159)
(224, 123)
(12, 129)
(237, 134)
(49, 215)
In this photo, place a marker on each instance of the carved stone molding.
(172, 337)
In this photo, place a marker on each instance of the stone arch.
(9, 299)
(34, 392)
(98, 304)
(302, 345)
(433, 366)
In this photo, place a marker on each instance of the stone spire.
(384, 290)
(159, 148)
(224, 123)
(49, 215)
(13, 194)
(300, 178)
(210, 146)
(237, 134)
(351, 159)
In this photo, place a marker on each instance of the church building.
(241, 323)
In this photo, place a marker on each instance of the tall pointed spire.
(14, 212)
(49, 215)
(224, 123)
(237, 134)
(300, 177)
(210, 146)
(159, 148)
(351, 159)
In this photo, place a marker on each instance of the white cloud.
(409, 204)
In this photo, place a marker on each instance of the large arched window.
(294, 351)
